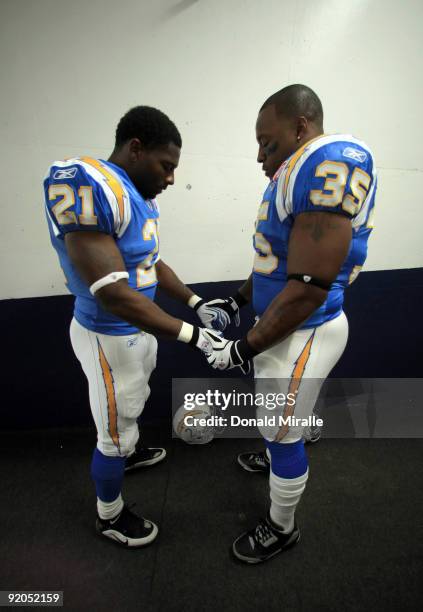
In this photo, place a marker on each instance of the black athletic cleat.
(128, 529)
(143, 457)
(263, 542)
(254, 462)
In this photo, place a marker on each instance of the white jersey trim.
(361, 218)
(51, 222)
(280, 206)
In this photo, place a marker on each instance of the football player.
(310, 243)
(103, 220)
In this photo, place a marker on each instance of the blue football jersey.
(331, 174)
(93, 195)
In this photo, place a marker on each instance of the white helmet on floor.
(187, 427)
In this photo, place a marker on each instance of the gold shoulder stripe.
(293, 161)
(113, 183)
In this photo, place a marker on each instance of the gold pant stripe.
(111, 398)
(295, 382)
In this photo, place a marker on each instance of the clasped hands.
(221, 353)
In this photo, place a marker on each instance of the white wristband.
(193, 301)
(113, 277)
(187, 330)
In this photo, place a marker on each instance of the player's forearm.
(246, 290)
(171, 284)
(294, 305)
(131, 306)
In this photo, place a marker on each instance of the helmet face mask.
(192, 432)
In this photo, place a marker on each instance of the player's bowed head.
(151, 157)
(289, 118)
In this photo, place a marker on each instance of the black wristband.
(195, 336)
(310, 280)
(239, 299)
(198, 304)
(245, 350)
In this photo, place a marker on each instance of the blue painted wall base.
(43, 386)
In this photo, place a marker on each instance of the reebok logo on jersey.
(132, 342)
(355, 154)
(65, 173)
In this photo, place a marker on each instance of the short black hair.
(296, 101)
(151, 126)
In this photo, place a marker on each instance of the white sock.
(108, 510)
(285, 493)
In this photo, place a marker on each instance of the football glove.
(197, 337)
(217, 314)
(228, 354)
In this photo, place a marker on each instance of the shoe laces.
(263, 532)
(258, 458)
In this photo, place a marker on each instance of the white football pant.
(298, 366)
(118, 369)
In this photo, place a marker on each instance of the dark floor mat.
(360, 521)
